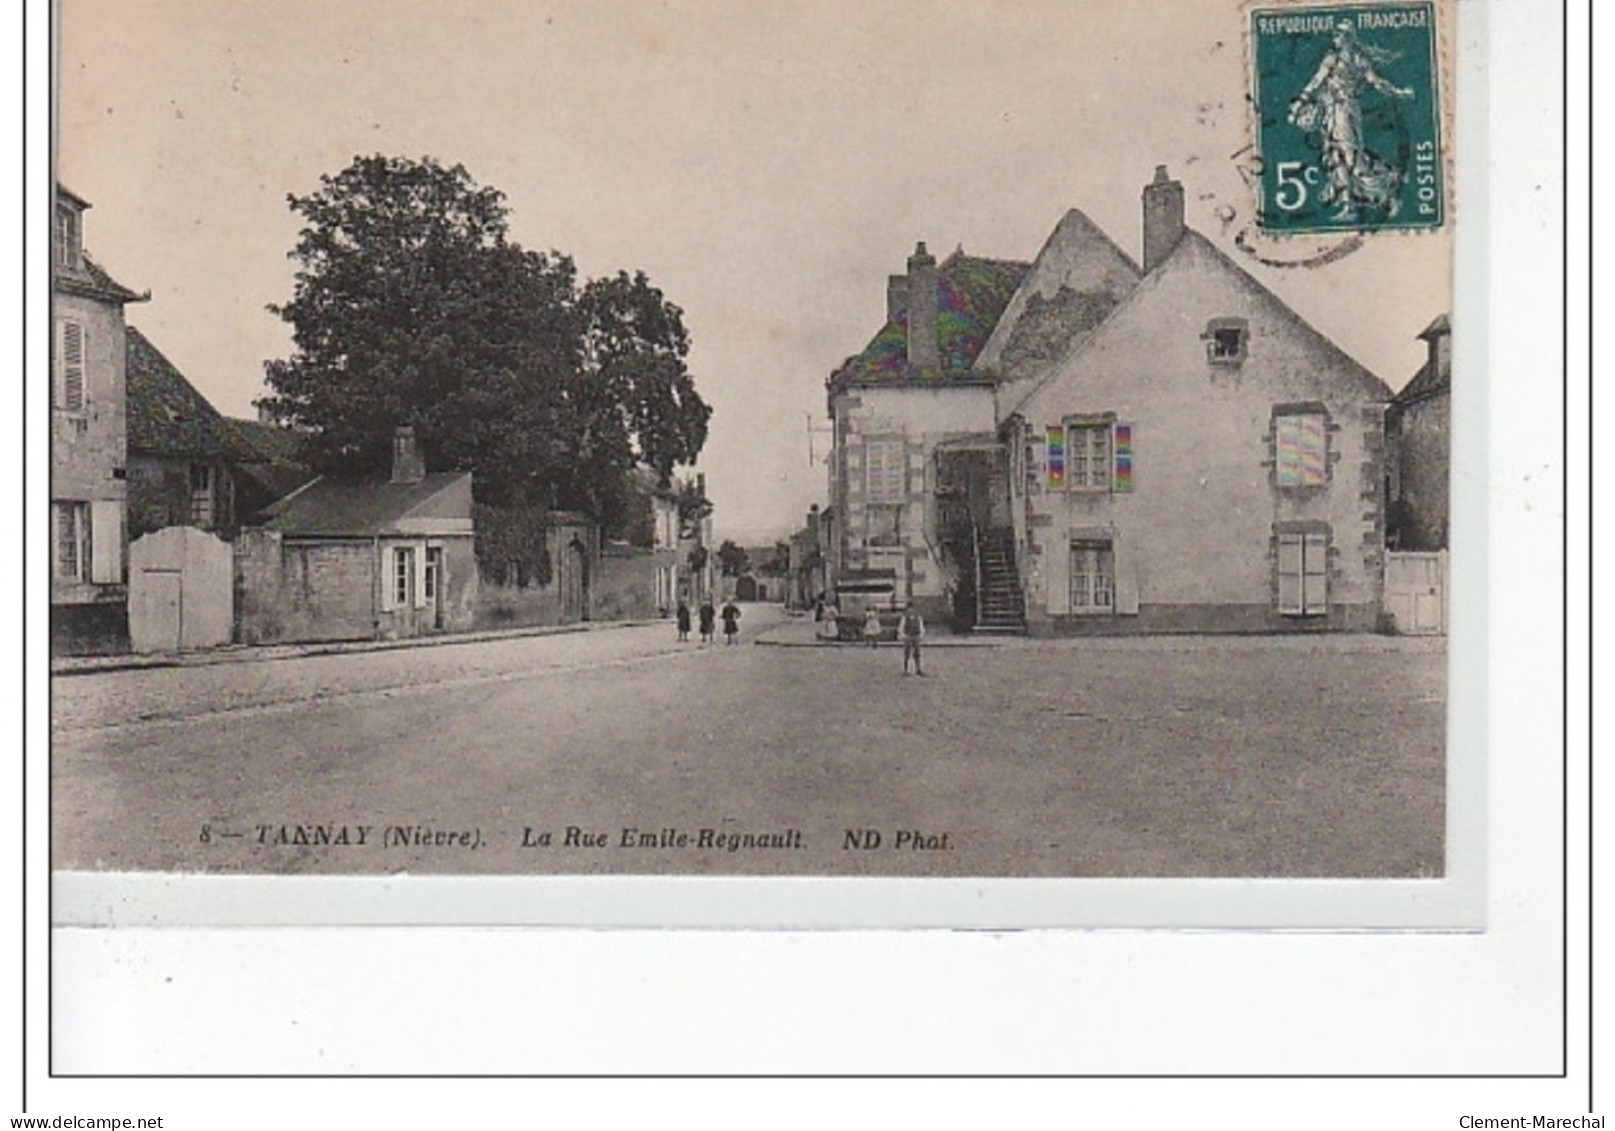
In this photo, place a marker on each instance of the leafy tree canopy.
(411, 304)
(693, 506)
(733, 560)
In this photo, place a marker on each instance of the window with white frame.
(72, 540)
(1088, 456)
(1303, 572)
(885, 472)
(202, 488)
(1301, 448)
(67, 390)
(403, 576)
(433, 580)
(1093, 577)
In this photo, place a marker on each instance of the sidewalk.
(242, 653)
(800, 632)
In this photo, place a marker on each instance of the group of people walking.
(707, 617)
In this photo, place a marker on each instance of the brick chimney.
(1163, 218)
(921, 288)
(408, 466)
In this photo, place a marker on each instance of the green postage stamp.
(1347, 117)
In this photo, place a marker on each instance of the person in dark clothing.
(731, 622)
(683, 616)
(709, 617)
(911, 630)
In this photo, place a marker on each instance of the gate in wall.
(181, 591)
(1416, 592)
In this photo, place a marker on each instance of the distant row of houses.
(1083, 443)
(174, 526)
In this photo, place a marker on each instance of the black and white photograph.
(995, 465)
(1057, 521)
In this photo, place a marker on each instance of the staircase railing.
(975, 554)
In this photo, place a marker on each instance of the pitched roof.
(1075, 282)
(268, 442)
(363, 508)
(167, 416)
(1435, 375)
(92, 281)
(971, 295)
(1197, 253)
(272, 457)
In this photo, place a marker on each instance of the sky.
(767, 162)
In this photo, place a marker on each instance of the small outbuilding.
(361, 559)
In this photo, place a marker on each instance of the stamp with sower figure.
(1348, 122)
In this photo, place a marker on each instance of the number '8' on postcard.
(1347, 117)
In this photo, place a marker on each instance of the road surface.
(624, 751)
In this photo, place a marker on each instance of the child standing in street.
(731, 621)
(911, 630)
(683, 616)
(708, 617)
(871, 627)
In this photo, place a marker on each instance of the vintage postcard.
(510, 461)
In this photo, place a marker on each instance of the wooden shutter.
(70, 365)
(1315, 575)
(1290, 574)
(389, 577)
(1314, 450)
(68, 548)
(1121, 449)
(1126, 566)
(885, 472)
(1056, 457)
(418, 574)
(106, 541)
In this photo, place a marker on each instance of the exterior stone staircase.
(1002, 605)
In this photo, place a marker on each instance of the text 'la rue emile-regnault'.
(709, 839)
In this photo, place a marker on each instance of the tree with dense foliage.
(693, 506)
(733, 560)
(778, 562)
(411, 304)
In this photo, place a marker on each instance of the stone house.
(184, 456)
(1169, 448)
(1201, 460)
(88, 440)
(1419, 430)
(896, 538)
(361, 559)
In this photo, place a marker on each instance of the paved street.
(620, 750)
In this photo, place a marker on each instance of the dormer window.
(1226, 341)
(69, 251)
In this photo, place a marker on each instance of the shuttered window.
(1301, 450)
(1303, 568)
(68, 389)
(71, 550)
(1090, 456)
(403, 579)
(885, 472)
